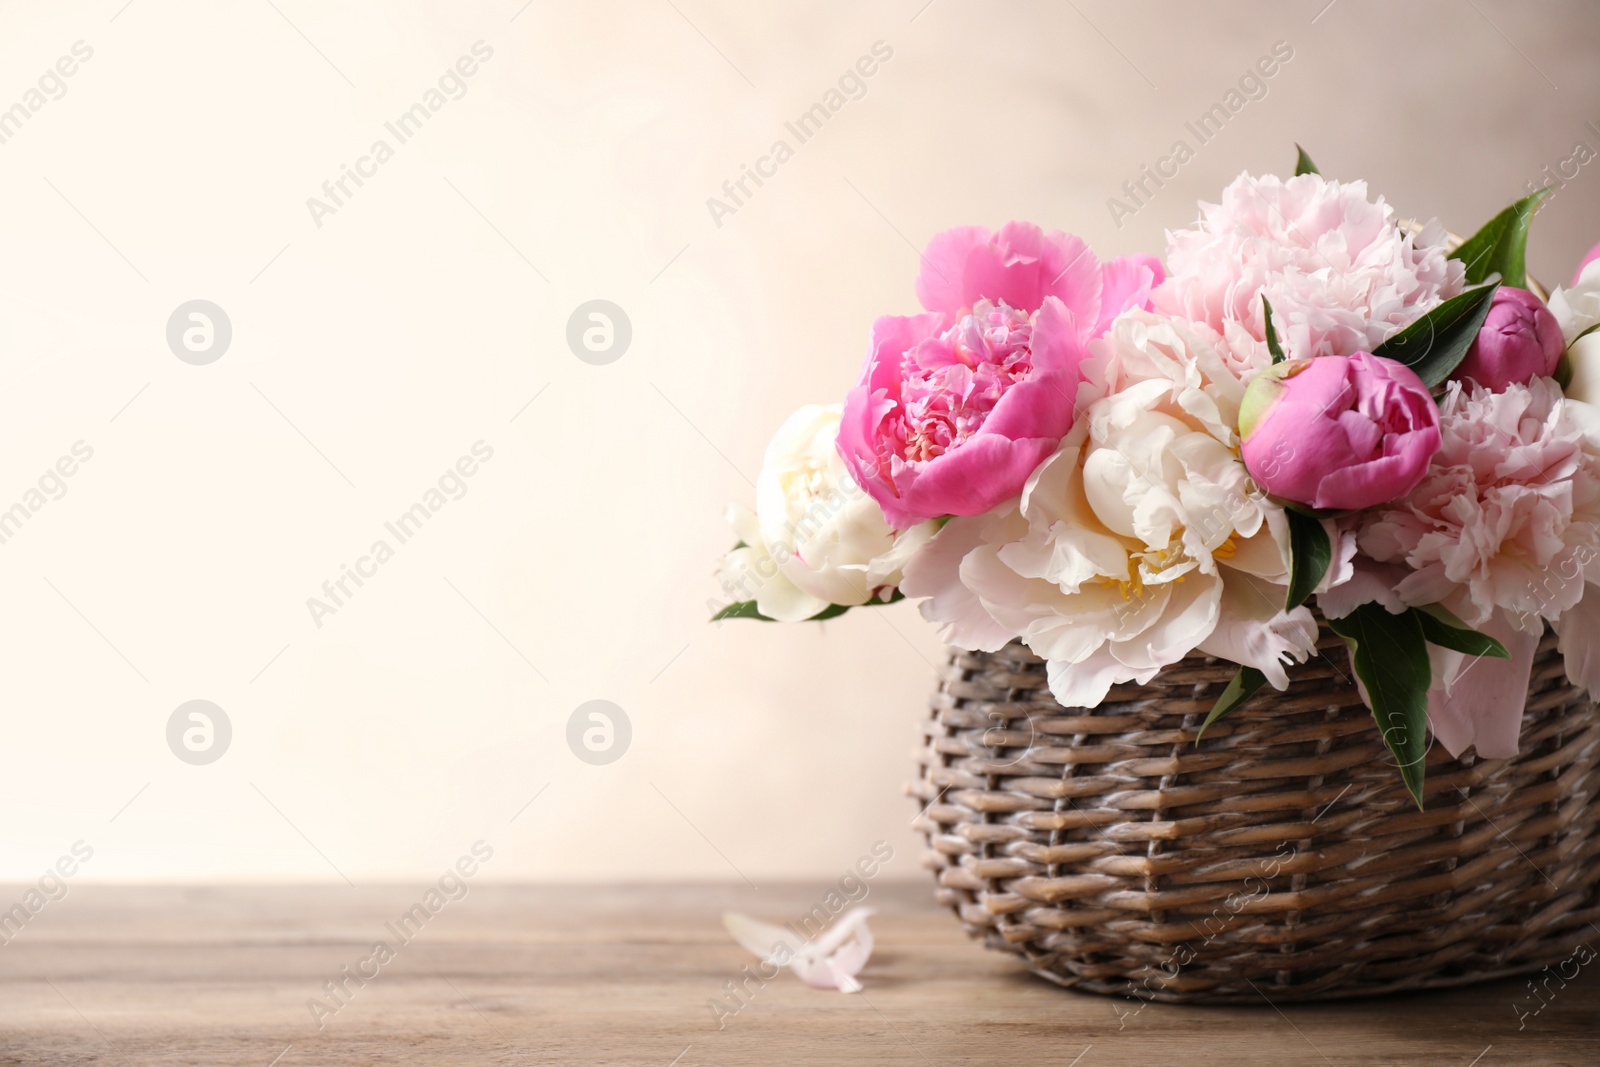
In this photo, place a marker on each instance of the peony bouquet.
(1310, 404)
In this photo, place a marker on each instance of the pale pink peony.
(1503, 531)
(1340, 272)
(1511, 498)
(955, 408)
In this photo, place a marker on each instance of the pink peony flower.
(1340, 273)
(1503, 531)
(1519, 341)
(1593, 254)
(955, 408)
(1140, 540)
(1511, 500)
(1342, 432)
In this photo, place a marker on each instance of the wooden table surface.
(624, 975)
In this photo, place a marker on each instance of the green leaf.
(1307, 510)
(1582, 334)
(1309, 556)
(1442, 628)
(1502, 245)
(740, 609)
(1435, 344)
(746, 609)
(1390, 655)
(1273, 347)
(1242, 688)
(1303, 164)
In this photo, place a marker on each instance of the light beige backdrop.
(374, 344)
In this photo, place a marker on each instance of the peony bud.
(1339, 432)
(1519, 341)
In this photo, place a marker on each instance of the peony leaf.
(1306, 509)
(1303, 164)
(1309, 557)
(740, 609)
(1242, 688)
(1582, 334)
(1442, 628)
(1390, 656)
(1273, 347)
(1435, 344)
(746, 609)
(1502, 245)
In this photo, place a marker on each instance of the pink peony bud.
(1519, 341)
(1340, 432)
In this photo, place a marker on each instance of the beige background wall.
(424, 315)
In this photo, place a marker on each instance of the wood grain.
(623, 975)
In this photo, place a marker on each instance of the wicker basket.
(1282, 857)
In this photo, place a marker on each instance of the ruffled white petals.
(935, 573)
(1254, 630)
(832, 961)
(1368, 582)
(816, 538)
(1086, 684)
(1578, 633)
(1118, 558)
(750, 573)
(1478, 701)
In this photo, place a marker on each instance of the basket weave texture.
(1281, 858)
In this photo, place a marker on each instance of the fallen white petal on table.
(829, 962)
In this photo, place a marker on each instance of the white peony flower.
(1141, 540)
(816, 538)
(1341, 273)
(1578, 309)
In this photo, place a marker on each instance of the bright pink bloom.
(1577, 275)
(1341, 432)
(1519, 341)
(955, 408)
